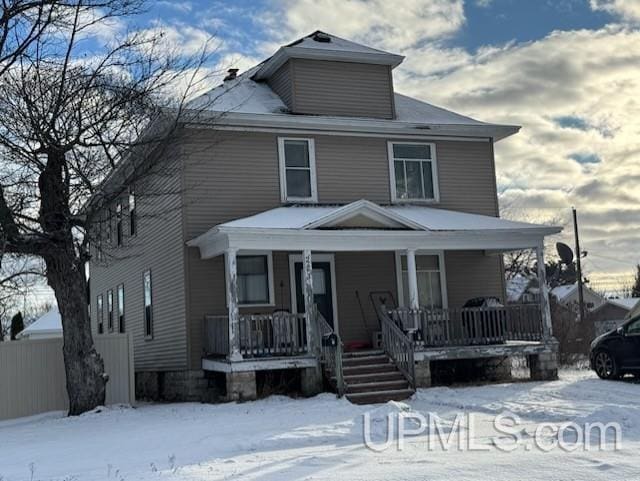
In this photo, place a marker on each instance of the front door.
(322, 289)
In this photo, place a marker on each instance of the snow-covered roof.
(516, 287)
(413, 217)
(325, 46)
(562, 292)
(49, 323)
(247, 99)
(627, 303)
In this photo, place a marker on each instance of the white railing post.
(545, 308)
(232, 304)
(307, 290)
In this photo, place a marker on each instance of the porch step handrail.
(331, 349)
(399, 347)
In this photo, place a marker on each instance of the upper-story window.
(414, 173)
(297, 170)
(119, 232)
(133, 221)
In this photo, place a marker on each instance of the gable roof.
(325, 46)
(561, 293)
(49, 323)
(627, 303)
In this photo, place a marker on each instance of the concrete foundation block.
(423, 373)
(241, 386)
(544, 365)
(311, 381)
(147, 386)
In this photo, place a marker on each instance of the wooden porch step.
(373, 377)
(364, 360)
(362, 387)
(369, 369)
(377, 397)
(363, 353)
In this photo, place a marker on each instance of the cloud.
(382, 23)
(628, 10)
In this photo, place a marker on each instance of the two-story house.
(317, 223)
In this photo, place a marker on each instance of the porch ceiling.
(365, 226)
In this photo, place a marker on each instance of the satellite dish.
(565, 253)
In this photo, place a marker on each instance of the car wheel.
(605, 366)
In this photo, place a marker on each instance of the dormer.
(322, 74)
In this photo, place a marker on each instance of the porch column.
(232, 303)
(414, 302)
(307, 291)
(544, 292)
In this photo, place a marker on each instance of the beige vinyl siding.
(280, 83)
(159, 247)
(229, 175)
(473, 274)
(363, 272)
(342, 88)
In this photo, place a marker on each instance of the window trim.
(121, 319)
(147, 335)
(392, 173)
(270, 283)
(312, 171)
(443, 275)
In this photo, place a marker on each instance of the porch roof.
(364, 225)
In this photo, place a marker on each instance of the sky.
(567, 71)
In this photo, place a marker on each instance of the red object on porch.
(357, 345)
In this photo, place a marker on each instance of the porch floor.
(218, 364)
(508, 348)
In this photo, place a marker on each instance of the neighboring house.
(308, 201)
(612, 313)
(568, 296)
(523, 289)
(45, 327)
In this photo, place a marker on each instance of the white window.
(255, 279)
(431, 281)
(413, 172)
(148, 305)
(297, 170)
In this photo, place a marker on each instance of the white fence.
(32, 376)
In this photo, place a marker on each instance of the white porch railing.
(279, 334)
(473, 326)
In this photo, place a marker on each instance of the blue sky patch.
(585, 158)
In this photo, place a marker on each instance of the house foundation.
(544, 365)
(311, 381)
(241, 386)
(177, 386)
(423, 373)
(495, 368)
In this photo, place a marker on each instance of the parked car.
(617, 352)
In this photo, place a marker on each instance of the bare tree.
(71, 119)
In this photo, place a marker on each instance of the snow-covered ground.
(322, 438)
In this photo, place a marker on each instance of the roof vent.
(232, 73)
(321, 37)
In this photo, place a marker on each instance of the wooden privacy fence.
(32, 376)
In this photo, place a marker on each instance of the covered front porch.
(365, 276)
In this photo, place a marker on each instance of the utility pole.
(578, 266)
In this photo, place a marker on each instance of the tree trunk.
(86, 379)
